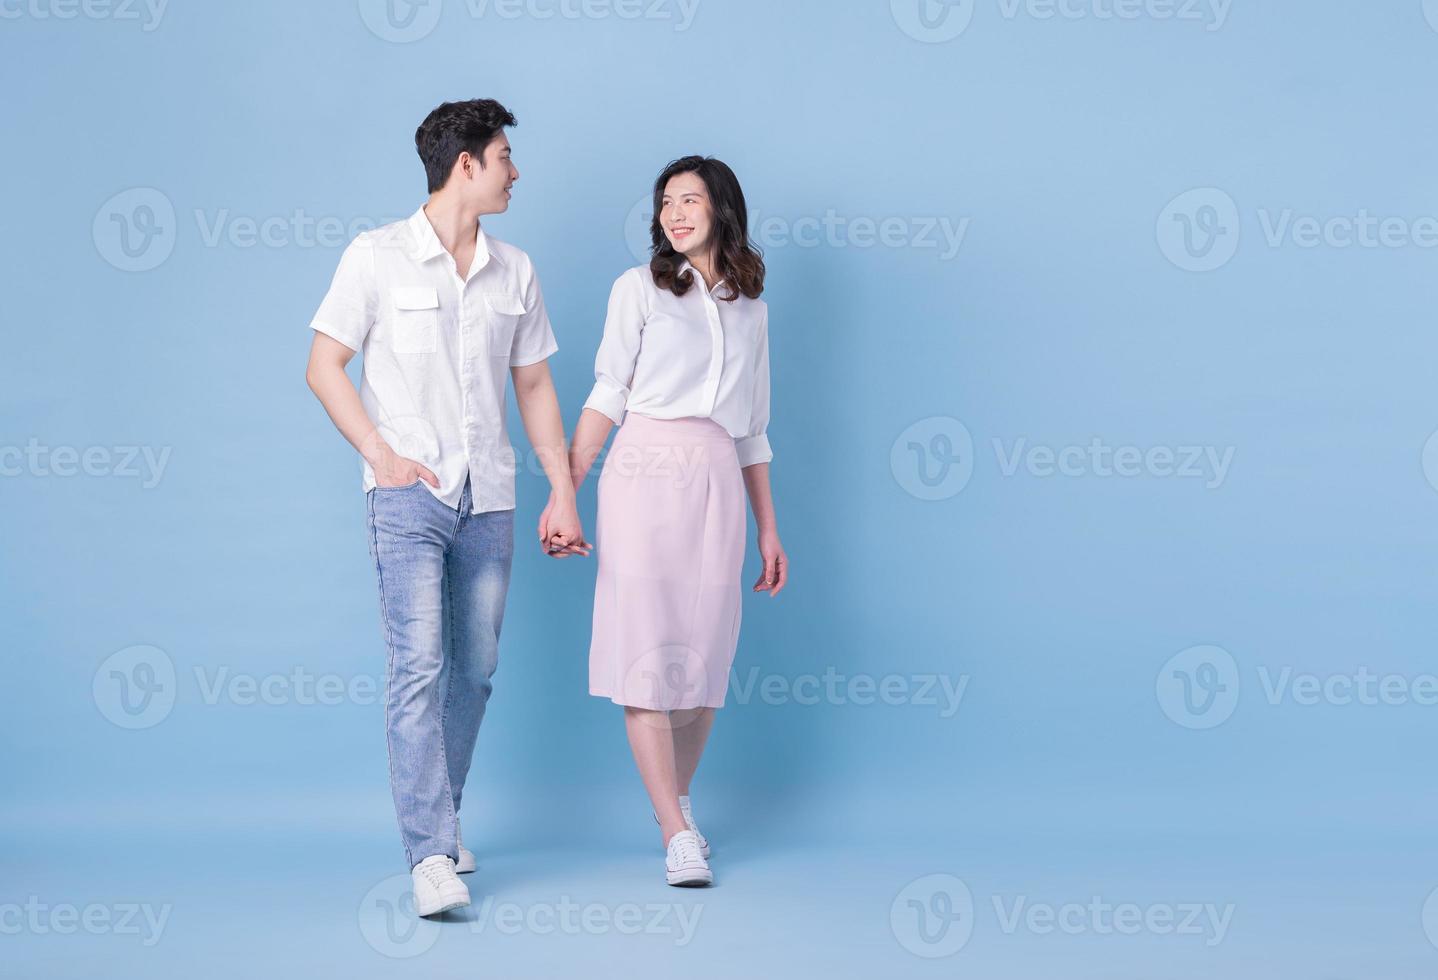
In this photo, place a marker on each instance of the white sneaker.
(436, 887)
(466, 863)
(688, 812)
(684, 866)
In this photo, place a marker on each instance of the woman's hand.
(560, 534)
(776, 564)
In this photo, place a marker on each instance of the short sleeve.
(619, 348)
(533, 335)
(349, 308)
(753, 447)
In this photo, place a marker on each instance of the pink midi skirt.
(670, 544)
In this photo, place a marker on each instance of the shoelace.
(687, 850)
(435, 874)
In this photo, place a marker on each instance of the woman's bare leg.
(691, 731)
(652, 741)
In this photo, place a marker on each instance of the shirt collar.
(689, 266)
(427, 244)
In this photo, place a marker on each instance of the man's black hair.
(453, 128)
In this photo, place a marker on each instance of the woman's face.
(686, 215)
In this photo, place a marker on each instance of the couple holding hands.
(442, 312)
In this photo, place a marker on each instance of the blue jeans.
(443, 576)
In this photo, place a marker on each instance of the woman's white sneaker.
(688, 812)
(684, 866)
(436, 887)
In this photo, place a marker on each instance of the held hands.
(393, 470)
(776, 564)
(560, 534)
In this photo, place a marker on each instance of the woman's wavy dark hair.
(737, 260)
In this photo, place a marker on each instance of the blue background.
(1066, 316)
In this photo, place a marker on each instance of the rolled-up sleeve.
(349, 308)
(619, 349)
(754, 446)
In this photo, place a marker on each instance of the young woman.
(684, 366)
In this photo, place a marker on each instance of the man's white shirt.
(437, 350)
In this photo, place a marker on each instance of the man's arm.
(327, 379)
(590, 434)
(559, 526)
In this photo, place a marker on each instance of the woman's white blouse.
(668, 357)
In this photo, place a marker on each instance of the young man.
(441, 311)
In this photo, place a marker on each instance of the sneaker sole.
(455, 903)
(689, 879)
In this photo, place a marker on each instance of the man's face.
(488, 187)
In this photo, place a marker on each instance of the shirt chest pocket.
(503, 311)
(415, 324)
